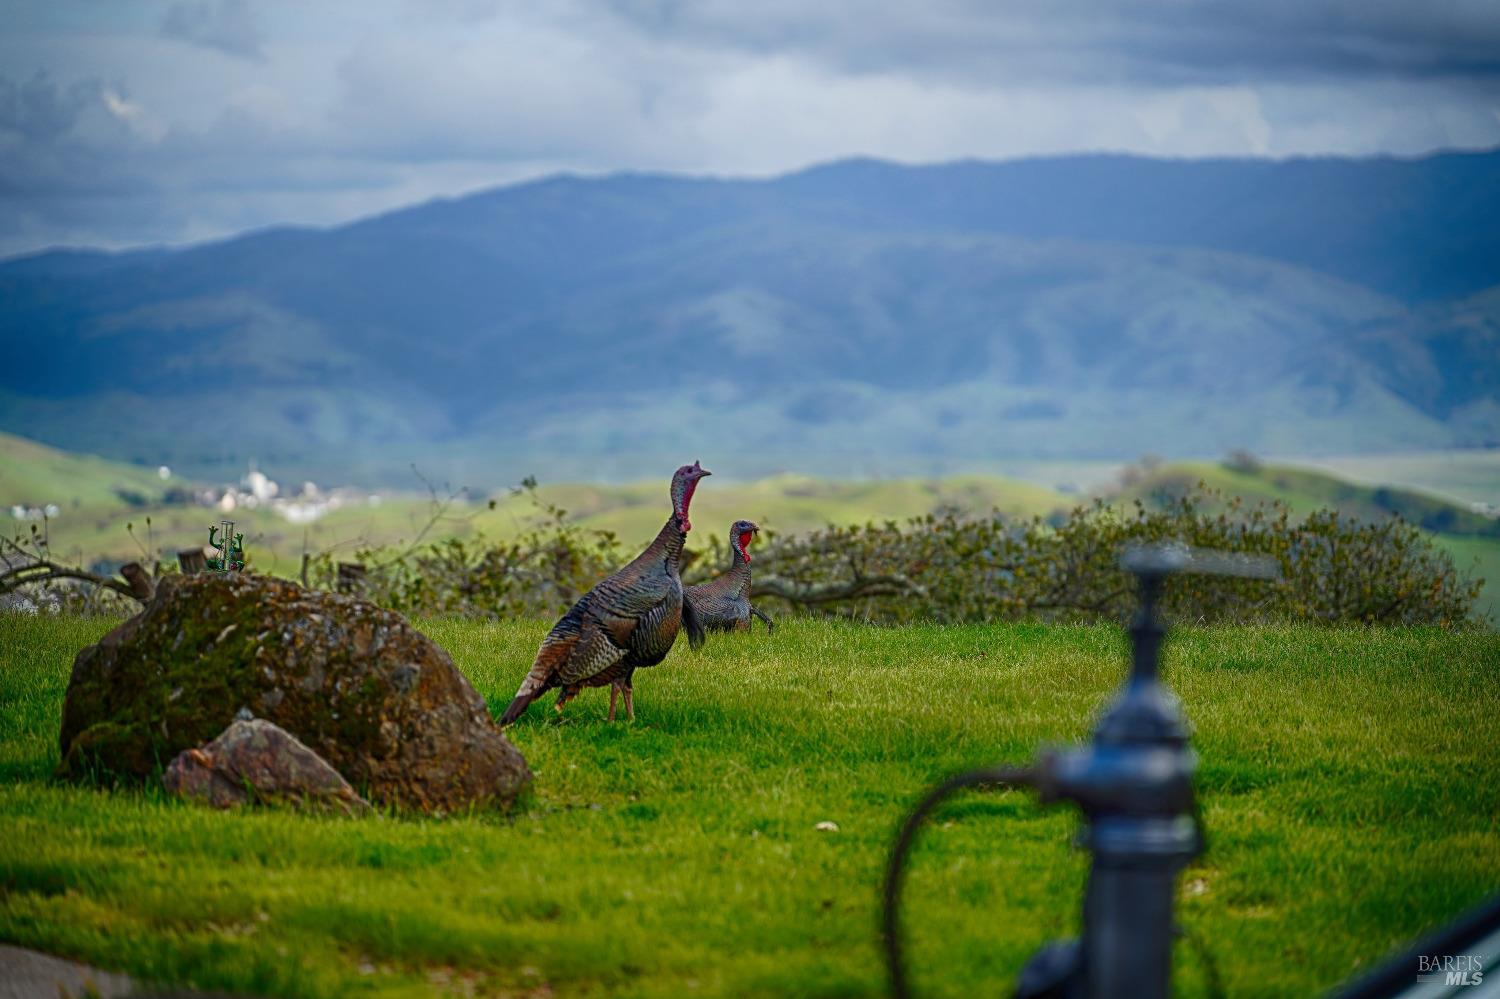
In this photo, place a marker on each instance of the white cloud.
(119, 106)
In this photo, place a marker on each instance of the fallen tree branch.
(138, 584)
(822, 593)
(18, 578)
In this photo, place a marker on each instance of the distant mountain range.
(852, 318)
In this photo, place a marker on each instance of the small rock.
(257, 762)
(826, 826)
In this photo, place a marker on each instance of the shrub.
(1333, 569)
(951, 568)
(539, 574)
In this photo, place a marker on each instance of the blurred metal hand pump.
(1134, 785)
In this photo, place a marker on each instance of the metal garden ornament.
(231, 557)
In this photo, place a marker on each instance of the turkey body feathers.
(723, 603)
(628, 621)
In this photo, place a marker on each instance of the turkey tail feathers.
(517, 707)
(693, 623)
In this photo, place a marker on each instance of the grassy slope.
(92, 522)
(35, 474)
(1463, 476)
(634, 512)
(1350, 779)
(1479, 557)
(788, 504)
(1306, 490)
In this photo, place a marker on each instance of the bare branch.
(439, 510)
(19, 568)
(41, 572)
(822, 593)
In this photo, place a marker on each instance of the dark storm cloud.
(114, 131)
(226, 25)
(1205, 42)
(39, 110)
(62, 137)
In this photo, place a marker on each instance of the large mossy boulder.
(357, 684)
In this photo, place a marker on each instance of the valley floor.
(1350, 782)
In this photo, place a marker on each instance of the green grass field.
(1350, 781)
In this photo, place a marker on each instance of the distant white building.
(22, 512)
(260, 486)
(257, 490)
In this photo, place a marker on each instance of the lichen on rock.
(362, 688)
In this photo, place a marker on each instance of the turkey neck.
(668, 546)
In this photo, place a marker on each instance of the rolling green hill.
(91, 494)
(1464, 477)
(34, 474)
(788, 504)
(1305, 490)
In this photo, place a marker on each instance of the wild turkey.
(723, 604)
(627, 621)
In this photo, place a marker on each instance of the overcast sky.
(125, 123)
